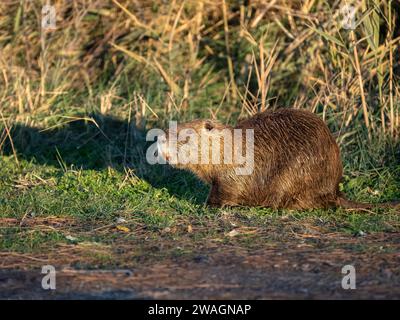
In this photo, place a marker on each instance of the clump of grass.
(212, 59)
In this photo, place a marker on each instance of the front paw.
(213, 203)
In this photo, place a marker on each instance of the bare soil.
(285, 271)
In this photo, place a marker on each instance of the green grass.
(155, 201)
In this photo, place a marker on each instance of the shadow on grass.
(110, 142)
(98, 144)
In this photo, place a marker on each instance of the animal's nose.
(162, 147)
(162, 139)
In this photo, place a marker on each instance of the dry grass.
(284, 53)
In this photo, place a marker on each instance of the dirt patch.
(290, 271)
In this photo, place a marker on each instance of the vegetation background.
(76, 101)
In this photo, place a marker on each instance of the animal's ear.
(208, 125)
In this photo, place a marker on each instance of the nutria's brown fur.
(297, 164)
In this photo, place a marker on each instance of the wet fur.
(297, 164)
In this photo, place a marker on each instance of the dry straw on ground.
(267, 54)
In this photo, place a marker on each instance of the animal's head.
(192, 144)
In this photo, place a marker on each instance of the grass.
(108, 205)
(77, 102)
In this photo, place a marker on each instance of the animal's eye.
(208, 125)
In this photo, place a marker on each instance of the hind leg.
(302, 196)
(311, 192)
(313, 202)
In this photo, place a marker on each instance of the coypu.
(297, 162)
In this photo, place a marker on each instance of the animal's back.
(297, 162)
